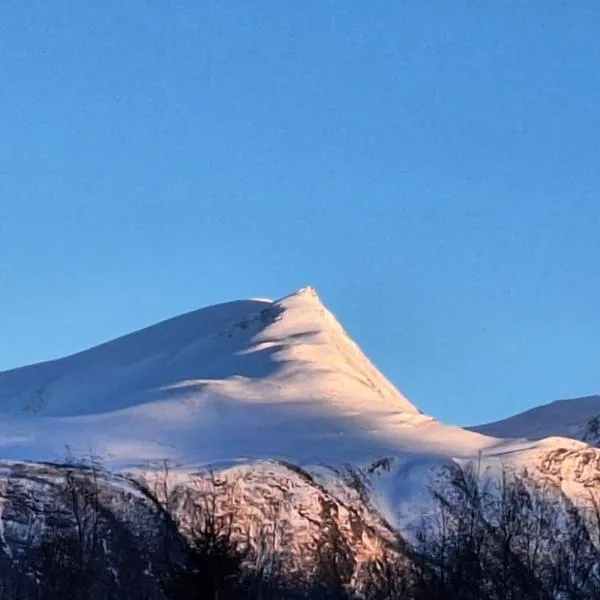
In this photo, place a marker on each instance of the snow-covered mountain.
(237, 381)
(264, 391)
(578, 418)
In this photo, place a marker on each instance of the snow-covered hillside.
(249, 379)
(578, 418)
(246, 385)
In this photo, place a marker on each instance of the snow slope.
(578, 419)
(248, 379)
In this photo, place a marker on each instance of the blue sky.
(431, 167)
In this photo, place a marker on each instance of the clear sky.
(431, 167)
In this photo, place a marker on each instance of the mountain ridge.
(577, 418)
(286, 354)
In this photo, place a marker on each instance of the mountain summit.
(245, 378)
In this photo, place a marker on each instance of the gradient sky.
(432, 168)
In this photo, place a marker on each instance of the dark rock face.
(591, 432)
(281, 512)
(79, 532)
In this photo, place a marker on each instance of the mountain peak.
(307, 293)
(268, 376)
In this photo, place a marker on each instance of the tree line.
(500, 538)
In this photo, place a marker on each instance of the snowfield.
(578, 418)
